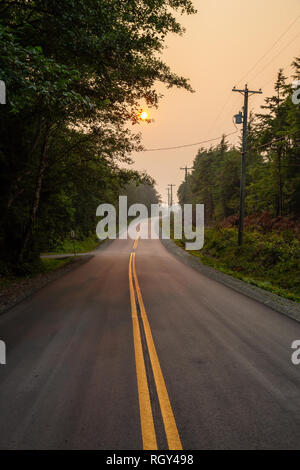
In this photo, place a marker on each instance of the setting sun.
(144, 115)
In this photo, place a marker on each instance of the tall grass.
(268, 260)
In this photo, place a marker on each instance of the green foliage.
(266, 260)
(13, 281)
(214, 182)
(272, 163)
(69, 245)
(75, 72)
(141, 193)
(53, 264)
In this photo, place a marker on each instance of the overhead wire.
(280, 139)
(269, 50)
(236, 101)
(190, 145)
(275, 57)
(256, 63)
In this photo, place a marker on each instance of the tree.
(142, 192)
(272, 163)
(273, 126)
(81, 66)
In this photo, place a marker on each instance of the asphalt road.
(140, 351)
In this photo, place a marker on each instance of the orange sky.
(223, 41)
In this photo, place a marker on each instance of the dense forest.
(144, 193)
(270, 255)
(272, 164)
(75, 73)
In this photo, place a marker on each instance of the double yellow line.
(136, 242)
(146, 415)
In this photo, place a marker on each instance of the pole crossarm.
(250, 92)
(186, 169)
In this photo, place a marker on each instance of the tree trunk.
(17, 191)
(37, 192)
(211, 207)
(279, 182)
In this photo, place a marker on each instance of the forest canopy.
(75, 74)
(272, 163)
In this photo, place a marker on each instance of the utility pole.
(246, 92)
(2, 92)
(171, 195)
(168, 195)
(186, 169)
(186, 172)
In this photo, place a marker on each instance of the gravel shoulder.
(23, 288)
(277, 303)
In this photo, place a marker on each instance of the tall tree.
(83, 65)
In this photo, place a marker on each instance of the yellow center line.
(171, 430)
(146, 416)
(136, 242)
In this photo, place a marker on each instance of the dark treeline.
(144, 193)
(75, 73)
(272, 164)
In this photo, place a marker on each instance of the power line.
(269, 80)
(190, 145)
(226, 102)
(266, 53)
(222, 109)
(214, 139)
(272, 79)
(281, 139)
(275, 57)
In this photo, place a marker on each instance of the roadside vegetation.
(76, 74)
(268, 260)
(270, 255)
(70, 245)
(137, 192)
(46, 265)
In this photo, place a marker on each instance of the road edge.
(42, 280)
(279, 304)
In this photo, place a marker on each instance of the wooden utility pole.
(168, 196)
(171, 195)
(246, 94)
(186, 169)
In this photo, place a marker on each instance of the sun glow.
(144, 115)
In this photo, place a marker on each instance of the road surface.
(135, 350)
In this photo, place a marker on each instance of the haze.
(223, 41)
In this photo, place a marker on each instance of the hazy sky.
(223, 41)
